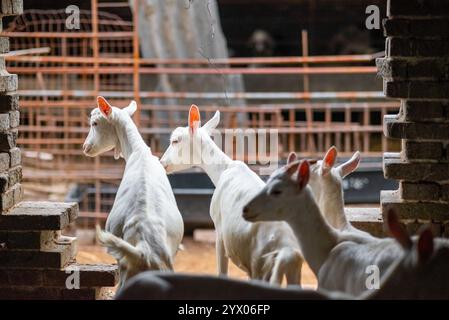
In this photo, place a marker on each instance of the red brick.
(90, 276)
(417, 28)
(423, 150)
(55, 258)
(396, 168)
(9, 102)
(406, 47)
(396, 129)
(11, 7)
(407, 209)
(36, 240)
(416, 89)
(425, 110)
(417, 8)
(43, 293)
(8, 82)
(10, 197)
(8, 140)
(419, 191)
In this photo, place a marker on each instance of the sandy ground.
(198, 257)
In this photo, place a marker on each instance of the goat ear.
(292, 168)
(210, 125)
(104, 106)
(194, 118)
(117, 153)
(329, 160)
(397, 231)
(350, 165)
(425, 245)
(291, 157)
(131, 109)
(303, 174)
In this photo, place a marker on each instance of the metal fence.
(58, 90)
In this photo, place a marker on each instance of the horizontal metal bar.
(65, 35)
(209, 95)
(26, 52)
(113, 5)
(200, 61)
(267, 108)
(213, 71)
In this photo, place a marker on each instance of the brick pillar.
(416, 70)
(35, 259)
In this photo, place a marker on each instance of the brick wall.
(416, 70)
(35, 259)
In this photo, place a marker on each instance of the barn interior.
(308, 69)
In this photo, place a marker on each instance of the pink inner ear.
(291, 168)
(396, 229)
(104, 106)
(425, 245)
(330, 157)
(291, 157)
(351, 164)
(303, 174)
(194, 117)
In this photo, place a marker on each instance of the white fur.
(326, 183)
(338, 259)
(407, 278)
(266, 251)
(144, 227)
(418, 272)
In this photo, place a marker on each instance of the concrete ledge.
(366, 219)
(39, 215)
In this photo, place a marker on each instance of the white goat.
(338, 259)
(326, 182)
(144, 227)
(266, 251)
(420, 272)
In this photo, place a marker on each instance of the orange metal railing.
(58, 90)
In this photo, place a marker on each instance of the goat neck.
(216, 161)
(129, 138)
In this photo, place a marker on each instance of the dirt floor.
(198, 257)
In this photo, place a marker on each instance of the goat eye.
(276, 192)
(94, 124)
(174, 141)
